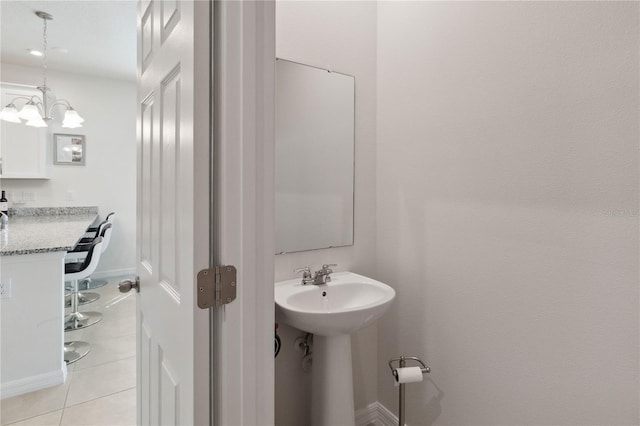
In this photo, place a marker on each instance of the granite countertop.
(43, 233)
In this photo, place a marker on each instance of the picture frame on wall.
(68, 150)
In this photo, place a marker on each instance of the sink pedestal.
(332, 381)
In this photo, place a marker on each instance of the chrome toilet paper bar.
(402, 363)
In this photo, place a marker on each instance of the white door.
(172, 200)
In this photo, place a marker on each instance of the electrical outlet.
(5, 288)
(71, 196)
(28, 196)
(15, 198)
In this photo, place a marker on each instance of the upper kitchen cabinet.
(24, 150)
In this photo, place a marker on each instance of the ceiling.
(99, 36)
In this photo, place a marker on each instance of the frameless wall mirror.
(315, 113)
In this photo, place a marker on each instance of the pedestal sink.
(332, 312)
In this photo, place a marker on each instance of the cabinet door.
(23, 150)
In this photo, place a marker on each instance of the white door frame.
(243, 109)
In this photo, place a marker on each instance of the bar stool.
(90, 283)
(74, 272)
(94, 230)
(81, 250)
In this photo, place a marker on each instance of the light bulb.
(72, 115)
(70, 125)
(36, 122)
(30, 112)
(72, 119)
(10, 114)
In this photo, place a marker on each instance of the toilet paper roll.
(409, 374)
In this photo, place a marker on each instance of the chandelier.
(36, 112)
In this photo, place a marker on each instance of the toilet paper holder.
(402, 362)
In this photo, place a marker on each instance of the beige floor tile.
(119, 308)
(95, 382)
(108, 349)
(110, 326)
(50, 419)
(107, 296)
(113, 410)
(114, 300)
(33, 404)
(111, 289)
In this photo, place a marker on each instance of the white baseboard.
(369, 414)
(113, 273)
(376, 414)
(34, 383)
(387, 418)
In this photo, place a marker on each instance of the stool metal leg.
(91, 284)
(75, 350)
(76, 320)
(84, 297)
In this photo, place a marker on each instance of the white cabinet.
(24, 150)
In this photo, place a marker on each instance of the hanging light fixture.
(36, 112)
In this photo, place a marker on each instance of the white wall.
(109, 178)
(507, 136)
(340, 36)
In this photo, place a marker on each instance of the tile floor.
(101, 387)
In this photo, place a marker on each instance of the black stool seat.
(70, 268)
(84, 245)
(97, 228)
(80, 248)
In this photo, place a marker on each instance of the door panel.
(146, 139)
(169, 255)
(170, 181)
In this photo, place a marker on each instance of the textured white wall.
(507, 218)
(109, 178)
(340, 36)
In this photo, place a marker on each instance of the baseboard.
(376, 414)
(34, 383)
(99, 275)
(386, 417)
(366, 416)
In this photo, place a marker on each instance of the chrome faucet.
(306, 275)
(321, 276)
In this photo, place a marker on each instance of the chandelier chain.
(44, 53)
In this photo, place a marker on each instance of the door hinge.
(216, 286)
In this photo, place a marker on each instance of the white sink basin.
(346, 304)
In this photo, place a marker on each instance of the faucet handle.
(326, 266)
(306, 271)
